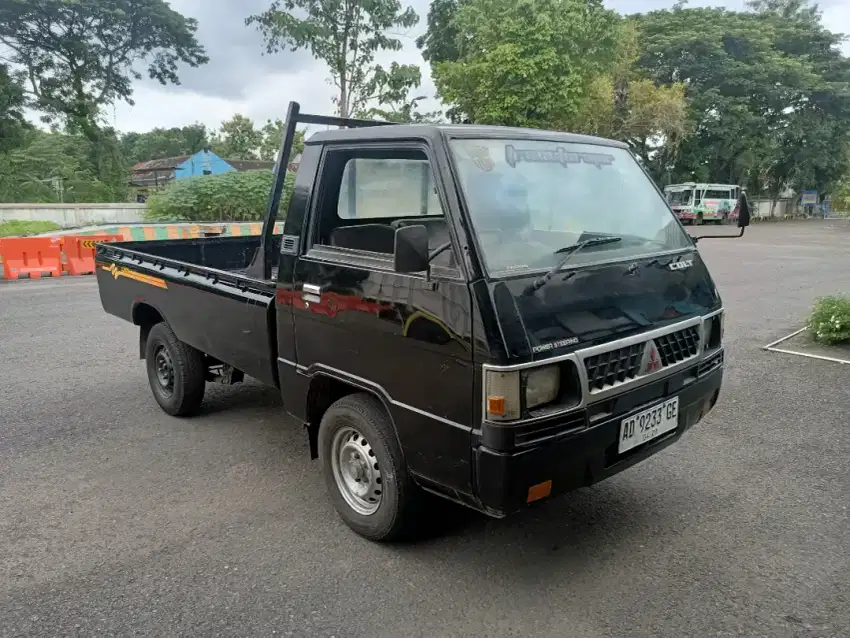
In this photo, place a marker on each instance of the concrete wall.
(761, 208)
(74, 215)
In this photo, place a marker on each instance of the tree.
(810, 147)
(12, 103)
(52, 167)
(623, 104)
(345, 34)
(80, 55)
(237, 139)
(160, 143)
(392, 94)
(439, 43)
(768, 93)
(525, 62)
(272, 133)
(403, 112)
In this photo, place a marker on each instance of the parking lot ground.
(116, 519)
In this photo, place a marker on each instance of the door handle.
(311, 289)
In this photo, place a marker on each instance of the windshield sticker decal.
(559, 155)
(481, 156)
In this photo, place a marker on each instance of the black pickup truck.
(489, 314)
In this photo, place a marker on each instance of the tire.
(357, 429)
(185, 392)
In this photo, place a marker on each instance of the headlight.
(503, 391)
(541, 385)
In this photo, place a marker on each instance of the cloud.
(236, 51)
(241, 78)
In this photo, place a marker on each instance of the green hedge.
(21, 228)
(230, 196)
(830, 320)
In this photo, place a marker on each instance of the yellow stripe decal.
(117, 272)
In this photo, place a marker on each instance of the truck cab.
(488, 314)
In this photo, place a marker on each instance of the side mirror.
(743, 212)
(411, 249)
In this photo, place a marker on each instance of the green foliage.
(231, 196)
(829, 322)
(12, 102)
(768, 94)
(526, 62)
(440, 41)
(344, 35)
(22, 228)
(54, 167)
(160, 143)
(622, 104)
(392, 93)
(405, 112)
(80, 55)
(238, 139)
(272, 133)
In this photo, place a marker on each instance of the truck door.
(407, 338)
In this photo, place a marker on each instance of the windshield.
(680, 198)
(529, 199)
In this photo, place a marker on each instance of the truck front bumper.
(504, 480)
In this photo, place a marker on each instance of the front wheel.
(364, 469)
(176, 372)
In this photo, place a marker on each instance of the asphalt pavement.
(116, 519)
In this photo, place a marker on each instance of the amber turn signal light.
(496, 405)
(541, 490)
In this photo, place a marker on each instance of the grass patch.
(17, 227)
(829, 322)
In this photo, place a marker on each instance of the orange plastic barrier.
(31, 256)
(79, 251)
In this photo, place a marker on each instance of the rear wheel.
(364, 469)
(176, 372)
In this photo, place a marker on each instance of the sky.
(241, 78)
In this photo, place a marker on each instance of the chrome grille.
(614, 366)
(678, 346)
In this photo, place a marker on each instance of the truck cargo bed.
(233, 254)
(201, 288)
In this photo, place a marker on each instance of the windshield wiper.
(569, 252)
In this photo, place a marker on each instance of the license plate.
(649, 424)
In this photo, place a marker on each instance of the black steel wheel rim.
(164, 368)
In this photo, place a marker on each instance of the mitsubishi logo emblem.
(651, 361)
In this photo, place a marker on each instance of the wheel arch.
(326, 388)
(146, 316)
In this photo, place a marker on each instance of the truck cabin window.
(529, 199)
(376, 193)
